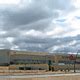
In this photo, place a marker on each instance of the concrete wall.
(4, 57)
(31, 66)
(30, 61)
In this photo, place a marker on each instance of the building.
(4, 57)
(23, 60)
(31, 60)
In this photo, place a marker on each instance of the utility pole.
(74, 65)
(73, 58)
(75, 61)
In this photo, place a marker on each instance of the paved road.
(32, 76)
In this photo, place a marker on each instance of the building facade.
(23, 60)
(29, 60)
(4, 57)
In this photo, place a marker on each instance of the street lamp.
(72, 58)
(76, 59)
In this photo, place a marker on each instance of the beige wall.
(32, 66)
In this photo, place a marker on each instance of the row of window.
(29, 61)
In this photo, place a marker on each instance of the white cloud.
(76, 3)
(15, 47)
(72, 42)
(33, 33)
(55, 31)
(72, 21)
(14, 5)
(10, 39)
(2, 32)
(75, 24)
(72, 33)
(36, 24)
(55, 48)
(44, 34)
(4, 2)
(71, 25)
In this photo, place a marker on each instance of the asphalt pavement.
(33, 76)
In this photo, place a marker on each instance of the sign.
(72, 57)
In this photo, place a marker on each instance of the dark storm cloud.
(37, 11)
(37, 16)
(40, 25)
(47, 44)
(34, 13)
(28, 16)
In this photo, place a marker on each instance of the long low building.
(29, 60)
(23, 60)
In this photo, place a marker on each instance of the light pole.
(74, 64)
(75, 60)
(72, 58)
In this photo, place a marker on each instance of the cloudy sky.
(40, 25)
